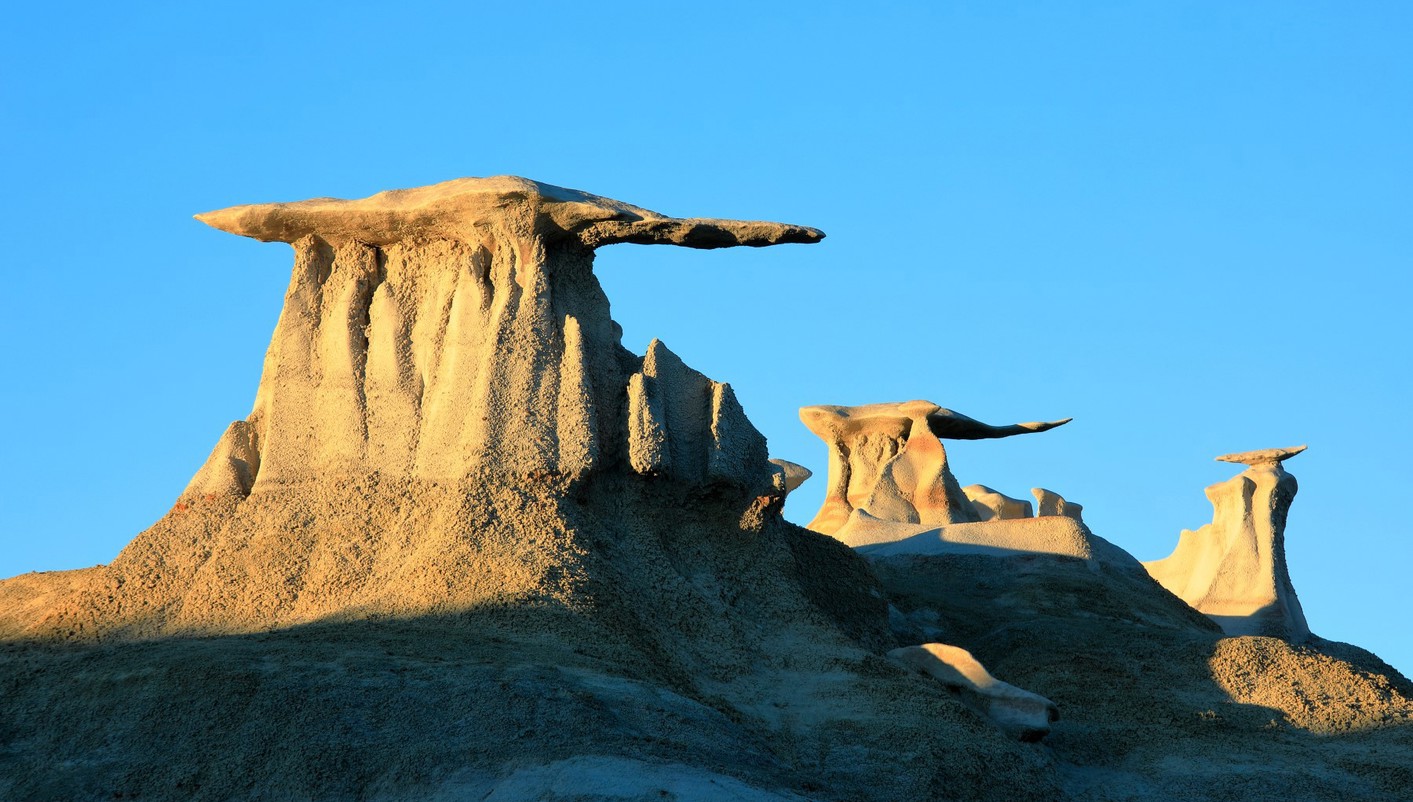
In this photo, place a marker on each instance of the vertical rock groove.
(440, 332)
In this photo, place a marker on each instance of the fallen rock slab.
(1022, 714)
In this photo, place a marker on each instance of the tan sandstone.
(1048, 502)
(887, 459)
(992, 505)
(431, 331)
(790, 475)
(891, 489)
(1234, 568)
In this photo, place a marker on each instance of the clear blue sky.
(1184, 224)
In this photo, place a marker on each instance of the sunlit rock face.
(467, 545)
(892, 491)
(432, 332)
(993, 505)
(1234, 568)
(1048, 502)
(442, 390)
(789, 475)
(887, 461)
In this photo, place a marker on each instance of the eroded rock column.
(458, 330)
(1234, 568)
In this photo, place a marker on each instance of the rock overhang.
(897, 417)
(454, 209)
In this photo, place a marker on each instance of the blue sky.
(1184, 224)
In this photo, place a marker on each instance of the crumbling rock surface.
(1156, 702)
(1234, 568)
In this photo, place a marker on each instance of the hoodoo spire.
(433, 333)
(1234, 568)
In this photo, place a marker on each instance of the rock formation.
(891, 488)
(467, 542)
(1048, 502)
(1234, 569)
(434, 338)
(429, 332)
(1023, 714)
(467, 546)
(992, 505)
(886, 460)
(790, 475)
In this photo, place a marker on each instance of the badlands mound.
(468, 546)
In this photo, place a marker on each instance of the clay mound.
(661, 636)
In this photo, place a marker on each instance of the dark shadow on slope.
(448, 707)
(347, 710)
(1144, 714)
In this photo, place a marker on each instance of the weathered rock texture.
(886, 460)
(992, 505)
(790, 475)
(891, 488)
(428, 333)
(444, 373)
(468, 546)
(1156, 703)
(1048, 502)
(1234, 569)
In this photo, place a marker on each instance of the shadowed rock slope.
(1156, 703)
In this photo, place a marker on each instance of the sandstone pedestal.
(891, 488)
(887, 459)
(1234, 569)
